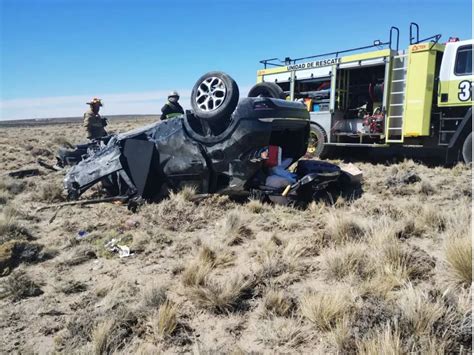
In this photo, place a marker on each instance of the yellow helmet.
(95, 101)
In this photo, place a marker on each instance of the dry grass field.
(387, 273)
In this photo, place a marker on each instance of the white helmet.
(173, 93)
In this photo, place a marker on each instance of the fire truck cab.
(380, 96)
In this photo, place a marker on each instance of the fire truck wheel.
(214, 97)
(316, 148)
(267, 90)
(467, 149)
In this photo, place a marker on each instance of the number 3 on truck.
(465, 90)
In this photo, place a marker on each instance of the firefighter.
(172, 108)
(93, 122)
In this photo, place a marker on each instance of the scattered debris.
(122, 250)
(352, 172)
(20, 174)
(83, 202)
(97, 264)
(53, 217)
(42, 163)
(81, 235)
(410, 178)
(51, 312)
(131, 223)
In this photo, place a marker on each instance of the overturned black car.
(227, 146)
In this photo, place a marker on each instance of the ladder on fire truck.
(396, 108)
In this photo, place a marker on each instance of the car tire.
(265, 89)
(316, 146)
(214, 97)
(467, 149)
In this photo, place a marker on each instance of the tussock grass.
(4, 197)
(426, 188)
(317, 208)
(351, 260)
(340, 336)
(77, 255)
(215, 257)
(154, 295)
(396, 265)
(235, 229)
(179, 213)
(281, 218)
(63, 142)
(410, 227)
(293, 252)
(458, 219)
(458, 254)
(19, 286)
(386, 342)
(324, 309)
(276, 256)
(164, 322)
(109, 335)
(49, 192)
(12, 186)
(78, 331)
(255, 206)
(343, 227)
(419, 314)
(187, 193)
(284, 333)
(195, 274)
(37, 152)
(269, 258)
(396, 261)
(433, 218)
(145, 349)
(460, 298)
(198, 270)
(373, 206)
(435, 346)
(71, 286)
(142, 242)
(405, 262)
(10, 227)
(207, 259)
(391, 263)
(175, 213)
(102, 337)
(220, 296)
(277, 303)
(383, 282)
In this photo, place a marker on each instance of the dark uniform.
(170, 110)
(94, 125)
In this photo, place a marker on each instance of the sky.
(57, 54)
